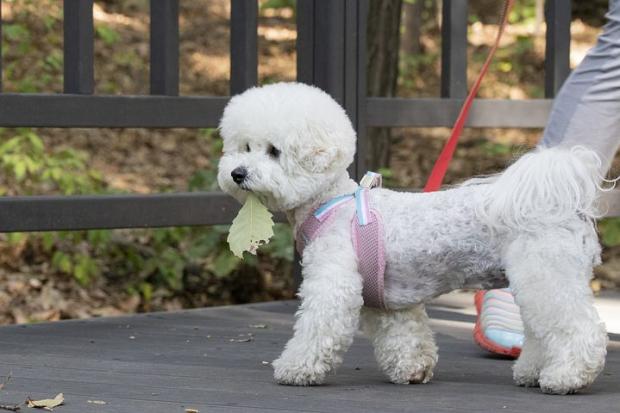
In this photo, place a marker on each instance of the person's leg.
(585, 112)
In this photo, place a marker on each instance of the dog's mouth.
(246, 186)
(262, 197)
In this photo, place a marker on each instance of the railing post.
(355, 77)
(243, 45)
(557, 50)
(454, 49)
(0, 46)
(305, 41)
(331, 54)
(78, 47)
(164, 46)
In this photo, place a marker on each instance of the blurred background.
(57, 275)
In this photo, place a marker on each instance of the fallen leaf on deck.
(4, 383)
(191, 411)
(101, 402)
(47, 404)
(10, 407)
(242, 340)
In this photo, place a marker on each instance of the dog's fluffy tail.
(544, 187)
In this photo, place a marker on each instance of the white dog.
(290, 145)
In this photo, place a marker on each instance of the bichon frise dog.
(290, 145)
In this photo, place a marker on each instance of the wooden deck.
(202, 359)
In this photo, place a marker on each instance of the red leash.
(441, 164)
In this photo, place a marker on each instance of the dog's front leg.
(327, 319)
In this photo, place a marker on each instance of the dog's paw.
(577, 365)
(551, 386)
(416, 369)
(422, 376)
(564, 381)
(525, 380)
(525, 373)
(298, 372)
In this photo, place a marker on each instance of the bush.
(142, 261)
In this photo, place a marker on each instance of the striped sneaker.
(499, 328)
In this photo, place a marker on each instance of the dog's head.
(284, 142)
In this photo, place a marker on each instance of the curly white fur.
(531, 226)
(544, 187)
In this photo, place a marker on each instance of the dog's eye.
(247, 147)
(274, 152)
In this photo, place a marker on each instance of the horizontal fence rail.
(53, 213)
(434, 112)
(59, 213)
(78, 111)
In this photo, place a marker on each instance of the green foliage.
(206, 179)
(411, 69)
(28, 166)
(387, 175)
(24, 71)
(143, 260)
(279, 4)
(609, 229)
(523, 12)
(16, 32)
(107, 34)
(82, 266)
(493, 149)
(282, 244)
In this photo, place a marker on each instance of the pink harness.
(366, 235)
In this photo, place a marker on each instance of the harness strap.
(318, 221)
(368, 242)
(366, 235)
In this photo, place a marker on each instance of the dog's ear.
(319, 150)
(319, 159)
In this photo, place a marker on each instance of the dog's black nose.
(239, 174)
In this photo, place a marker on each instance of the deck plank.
(166, 362)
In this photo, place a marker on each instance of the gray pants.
(586, 111)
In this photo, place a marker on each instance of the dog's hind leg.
(403, 342)
(549, 275)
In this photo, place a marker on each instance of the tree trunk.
(412, 25)
(540, 17)
(383, 49)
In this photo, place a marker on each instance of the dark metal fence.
(331, 54)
